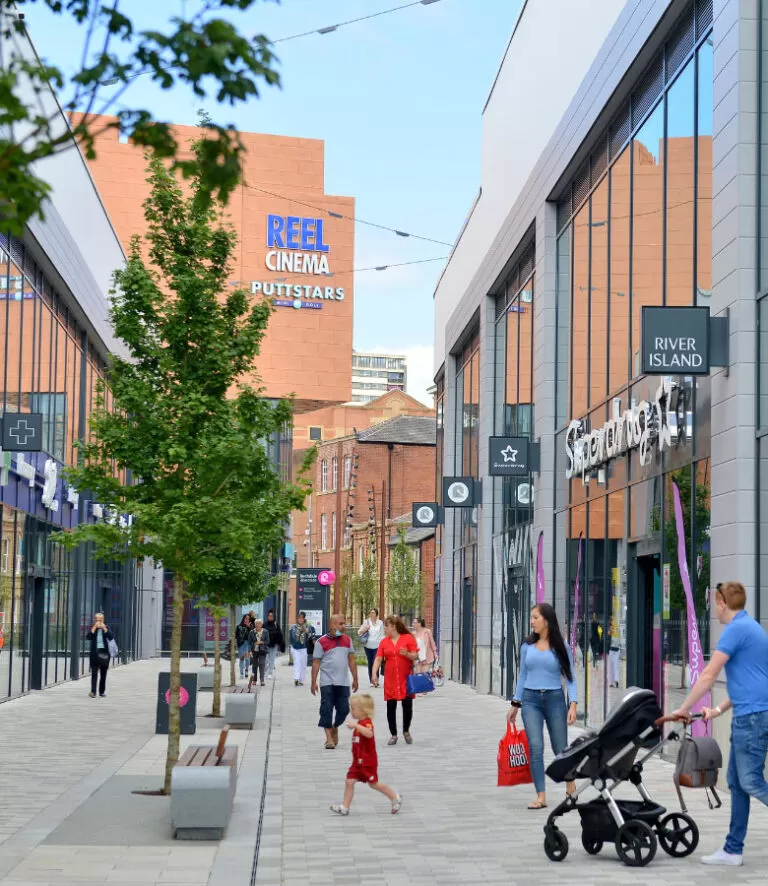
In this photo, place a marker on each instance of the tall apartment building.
(375, 374)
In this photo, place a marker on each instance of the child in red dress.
(365, 763)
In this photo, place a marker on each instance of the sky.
(398, 101)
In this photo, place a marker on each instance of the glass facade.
(635, 230)
(466, 464)
(512, 547)
(48, 596)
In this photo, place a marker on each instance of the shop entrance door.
(643, 624)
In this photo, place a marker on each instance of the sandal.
(330, 746)
(537, 804)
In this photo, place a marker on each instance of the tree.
(364, 587)
(184, 423)
(403, 578)
(204, 52)
(234, 581)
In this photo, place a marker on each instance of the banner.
(540, 589)
(695, 652)
(575, 618)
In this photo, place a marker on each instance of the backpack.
(698, 763)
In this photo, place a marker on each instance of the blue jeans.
(273, 650)
(540, 706)
(749, 746)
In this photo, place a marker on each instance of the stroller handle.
(680, 718)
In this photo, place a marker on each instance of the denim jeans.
(273, 650)
(749, 745)
(333, 698)
(544, 706)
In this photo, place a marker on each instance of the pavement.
(69, 767)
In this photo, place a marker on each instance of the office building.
(375, 374)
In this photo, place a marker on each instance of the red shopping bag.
(514, 758)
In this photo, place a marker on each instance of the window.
(361, 559)
(334, 474)
(324, 476)
(324, 532)
(347, 471)
(347, 536)
(315, 433)
(6, 549)
(333, 530)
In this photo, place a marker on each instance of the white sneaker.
(722, 857)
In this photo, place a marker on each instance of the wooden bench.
(240, 708)
(203, 784)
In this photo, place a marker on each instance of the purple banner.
(695, 652)
(540, 588)
(575, 618)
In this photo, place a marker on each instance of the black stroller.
(608, 758)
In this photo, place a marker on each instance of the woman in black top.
(276, 641)
(98, 636)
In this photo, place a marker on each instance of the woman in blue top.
(544, 661)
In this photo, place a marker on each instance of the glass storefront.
(466, 464)
(48, 595)
(512, 547)
(636, 231)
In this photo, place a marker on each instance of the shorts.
(362, 773)
(333, 698)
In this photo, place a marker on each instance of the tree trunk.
(216, 711)
(174, 713)
(232, 647)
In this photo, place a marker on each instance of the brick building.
(365, 484)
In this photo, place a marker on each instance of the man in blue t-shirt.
(743, 652)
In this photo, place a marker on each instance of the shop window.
(681, 177)
(618, 338)
(598, 295)
(562, 405)
(580, 314)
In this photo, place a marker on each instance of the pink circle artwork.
(183, 697)
(326, 577)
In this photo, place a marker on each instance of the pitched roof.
(413, 536)
(409, 430)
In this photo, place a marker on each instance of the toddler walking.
(365, 763)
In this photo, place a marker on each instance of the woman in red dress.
(399, 651)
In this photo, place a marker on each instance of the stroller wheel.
(636, 843)
(590, 844)
(555, 844)
(678, 834)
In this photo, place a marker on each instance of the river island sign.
(676, 341)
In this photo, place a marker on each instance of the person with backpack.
(276, 642)
(743, 651)
(301, 634)
(241, 641)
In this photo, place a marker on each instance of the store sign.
(290, 293)
(675, 341)
(640, 427)
(297, 245)
(459, 492)
(26, 470)
(22, 432)
(51, 475)
(508, 456)
(424, 514)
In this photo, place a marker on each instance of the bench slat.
(186, 758)
(228, 758)
(201, 757)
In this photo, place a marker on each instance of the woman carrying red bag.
(545, 661)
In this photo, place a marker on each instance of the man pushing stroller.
(743, 651)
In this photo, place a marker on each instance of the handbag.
(112, 647)
(102, 656)
(364, 637)
(417, 683)
(514, 758)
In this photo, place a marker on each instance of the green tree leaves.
(204, 53)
